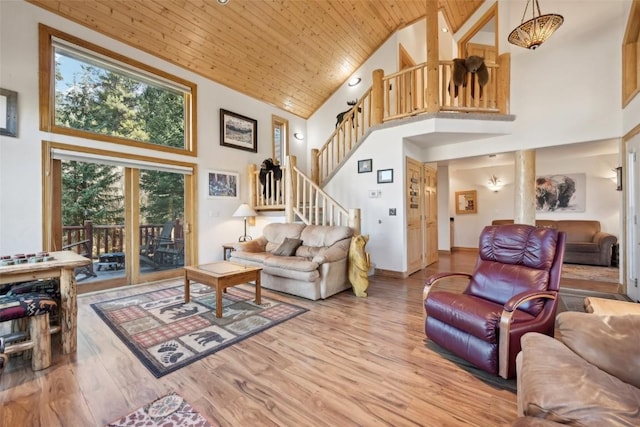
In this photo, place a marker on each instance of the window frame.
(47, 93)
(283, 124)
(631, 55)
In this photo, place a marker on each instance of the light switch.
(392, 211)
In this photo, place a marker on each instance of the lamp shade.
(532, 33)
(244, 210)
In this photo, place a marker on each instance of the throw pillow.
(288, 247)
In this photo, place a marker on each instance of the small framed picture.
(466, 202)
(385, 176)
(222, 185)
(238, 131)
(364, 166)
(619, 178)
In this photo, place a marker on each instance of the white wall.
(602, 199)
(20, 158)
(351, 189)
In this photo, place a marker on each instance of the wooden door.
(489, 53)
(408, 92)
(430, 215)
(415, 246)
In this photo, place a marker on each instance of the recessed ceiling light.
(355, 81)
(298, 136)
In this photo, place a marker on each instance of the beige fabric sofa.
(588, 376)
(586, 242)
(317, 269)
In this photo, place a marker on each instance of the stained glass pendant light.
(537, 30)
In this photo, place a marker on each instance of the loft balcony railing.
(408, 93)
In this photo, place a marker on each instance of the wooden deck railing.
(110, 238)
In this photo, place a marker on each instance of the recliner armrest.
(517, 300)
(432, 281)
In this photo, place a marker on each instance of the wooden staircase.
(409, 92)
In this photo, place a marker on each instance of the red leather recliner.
(513, 290)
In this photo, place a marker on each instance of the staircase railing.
(312, 205)
(271, 195)
(353, 127)
(405, 94)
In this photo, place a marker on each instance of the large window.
(280, 146)
(99, 94)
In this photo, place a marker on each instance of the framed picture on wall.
(561, 193)
(365, 166)
(238, 131)
(385, 176)
(466, 202)
(222, 185)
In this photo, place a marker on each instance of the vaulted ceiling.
(290, 53)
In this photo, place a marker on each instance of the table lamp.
(244, 210)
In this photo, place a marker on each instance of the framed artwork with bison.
(561, 193)
(238, 131)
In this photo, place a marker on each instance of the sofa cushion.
(585, 247)
(257, 257)
(612, 343)
(475, 316)
(290, 263)
(305, 276)
(579, 230)
(288, 247)
(324, 235)
(561, 386)
(275, 233)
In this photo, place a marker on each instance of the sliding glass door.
(130, 217)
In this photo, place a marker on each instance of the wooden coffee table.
(221, 275)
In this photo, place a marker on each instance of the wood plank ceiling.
(290, 53)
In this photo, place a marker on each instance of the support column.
(525, 187)
(377, 97)
(432, 99)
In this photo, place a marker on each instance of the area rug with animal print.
(170, 410)
(167, 334)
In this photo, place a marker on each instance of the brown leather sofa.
(588, 376)
(586, 243)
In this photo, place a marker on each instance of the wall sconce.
(495, 184)
(244, 210)
(298, 136)
(354, 81)
(618, 178)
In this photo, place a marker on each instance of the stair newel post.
(354, 221)
(377, 97)
(315, 166)
(290, 189)
(251, 171)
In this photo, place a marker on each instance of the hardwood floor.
(347, 362)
